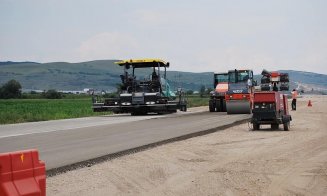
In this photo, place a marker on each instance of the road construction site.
(233, 161)
(236, 148)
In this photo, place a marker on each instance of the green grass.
(31, 110)
(196, 100)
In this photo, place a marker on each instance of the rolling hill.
(105, 75)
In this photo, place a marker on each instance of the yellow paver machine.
(151, 94)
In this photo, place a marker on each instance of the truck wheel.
(287, 126)
(138, 113)
(218, 107)
(184, 108)
(211, 106)
(274, 126)
(224, 106)
(256, 126)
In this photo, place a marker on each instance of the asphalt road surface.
(65, 142)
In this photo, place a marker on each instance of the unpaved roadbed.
(234, 161)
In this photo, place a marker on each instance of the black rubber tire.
(224, 106)
(218, 107)
(211, 106)
(184, 108)
(138, 113)
(274, 126)
(286, 126)
(256, 126)
(172, 111)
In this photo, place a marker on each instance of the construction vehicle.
(271, 81)
(240, 91)
(271, 105)
(142, 96)
(217, 101)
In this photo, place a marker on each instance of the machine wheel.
(211, 106)
(173, 111)
(274, 126)
(287, 126)
(138, 113)
(184, 108)
(224, 106)
(256, 126)
(218, 107)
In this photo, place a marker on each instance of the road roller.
(217, 102)
(240, 91)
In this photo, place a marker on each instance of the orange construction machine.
(217, 101)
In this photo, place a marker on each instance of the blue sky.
(196, 36)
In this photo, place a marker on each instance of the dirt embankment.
(235, 161)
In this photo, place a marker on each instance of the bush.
(111, 95)
(52, 94)
(190, 92)
(202, 91)
(10, 90)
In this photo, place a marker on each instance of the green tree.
(190, 92)
(208, 91)
(10, 90)
(52, 94)
(202, 91)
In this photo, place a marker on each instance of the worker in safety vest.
(294, 96)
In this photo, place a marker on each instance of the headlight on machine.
(126, 103)
(150, 102)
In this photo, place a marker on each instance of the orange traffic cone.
(309, 103)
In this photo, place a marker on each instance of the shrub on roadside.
(10, 90)
(52, 94)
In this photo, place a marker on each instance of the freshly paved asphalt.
(66, 142)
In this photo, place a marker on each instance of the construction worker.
(294, 96)
(275, 88)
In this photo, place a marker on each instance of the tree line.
(13, 90)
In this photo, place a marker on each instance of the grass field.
(30, 110)
(196, 100)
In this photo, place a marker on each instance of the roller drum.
(238, 107)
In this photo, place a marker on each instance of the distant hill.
(105, 75)
(10, 63)
(308, 81)
(100, 74)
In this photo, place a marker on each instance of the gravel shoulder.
(234, 161)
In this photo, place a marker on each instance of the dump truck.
(270, 105)
(217, 101)
(240, 91)
(140, 96)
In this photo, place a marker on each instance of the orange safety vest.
(294, 94)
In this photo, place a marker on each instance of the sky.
(194, 36)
